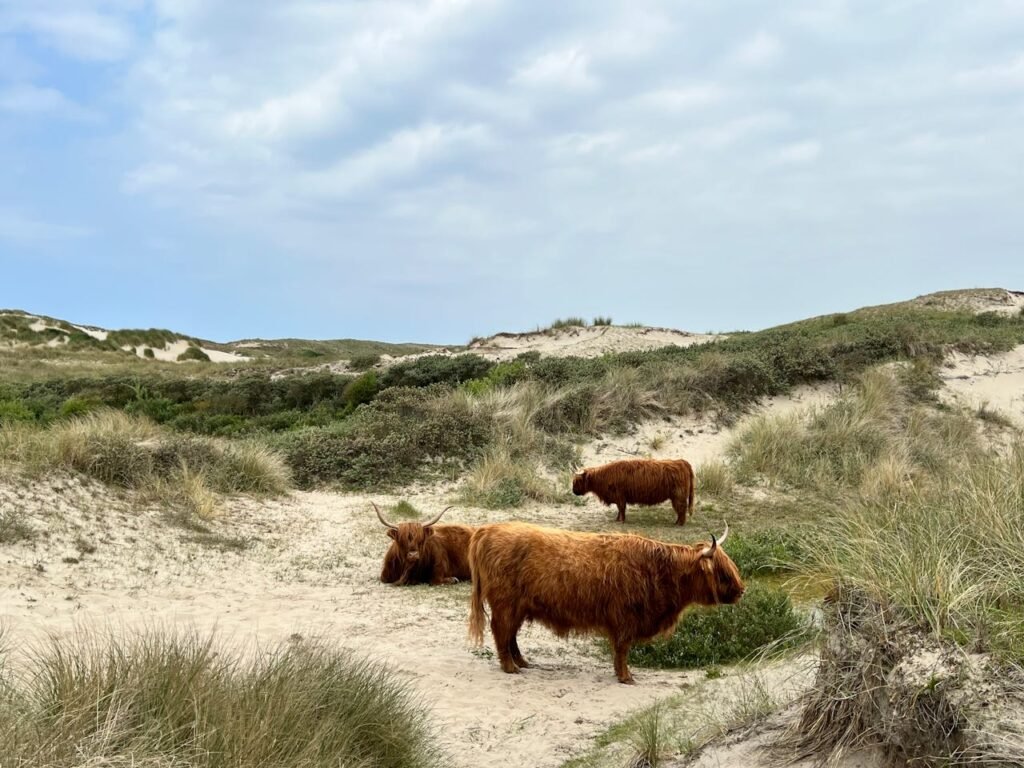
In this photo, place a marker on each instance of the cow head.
(722, 582)
(409, 538)
(580, 484)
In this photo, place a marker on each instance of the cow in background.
(639, 481)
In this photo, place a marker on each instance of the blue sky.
(437, 170)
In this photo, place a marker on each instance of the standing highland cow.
(639, 481)
(627, 587)
(426, 553)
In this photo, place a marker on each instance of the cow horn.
(381, 517)
(715, 543)
(427, 525)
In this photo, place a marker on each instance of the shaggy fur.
(639, 481)
(437, 554)
(627, 587)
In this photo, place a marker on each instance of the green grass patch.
(764, 619)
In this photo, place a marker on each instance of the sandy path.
(314, 573)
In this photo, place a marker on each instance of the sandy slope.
(996, 381)
(592, 341)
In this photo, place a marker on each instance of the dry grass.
(714, 478)
(187, 473)
(161, 700)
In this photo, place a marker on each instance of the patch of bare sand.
(995, 381)
(311, 567)
(698, 439)
(590, 341)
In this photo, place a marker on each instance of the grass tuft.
(160, 699)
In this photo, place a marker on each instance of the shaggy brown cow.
(627, 587)
(639, 481)
(426, 553)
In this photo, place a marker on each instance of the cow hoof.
(627, 681)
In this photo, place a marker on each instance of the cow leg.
(621, 669)
(621, 518)
(513, 647)
(679, 505)
(504, 640)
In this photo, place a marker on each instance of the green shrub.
(194, 353)
(13, 528)
(15, 410)
(361, 390)
(159, 699)
(363, 362)
(76, 406)
(148, 352)
(763, 618)
(435, 369)
(568, 322)
(767, 551)
(599, 320)
(402, 434)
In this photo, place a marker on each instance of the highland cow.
(627, 587)
(639, 481)
(426, 553)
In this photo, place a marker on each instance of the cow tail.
(689, 496)
(476, 603)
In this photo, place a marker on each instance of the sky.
(440, 169)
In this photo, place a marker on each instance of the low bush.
(402, 434)
(161, 699)
(194, 353)
(435, 369)
(363, 362)
(767, 551)
(763, 619)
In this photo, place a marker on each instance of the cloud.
(800, 153)
(31, 100)
(76, 31)
(1006, 76)
(761, 50)
(568, 69)
(683, 98)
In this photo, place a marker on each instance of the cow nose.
(414, 555)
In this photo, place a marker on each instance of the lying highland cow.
(627, 587)
(426, 553)
(639, 481)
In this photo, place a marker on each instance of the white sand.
(591, 341)
(171, 350)
(996, 381)
(96, 333)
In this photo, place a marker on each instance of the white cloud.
(682, 99)
(568, 69)
(78, 32)
(760, 51)
(799, 153)
(1009, 75)
(399, 155)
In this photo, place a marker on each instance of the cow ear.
(392, 534)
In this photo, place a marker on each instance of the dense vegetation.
(436, 412)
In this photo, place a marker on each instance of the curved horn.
(381, 517)
(427, 525)
(715, 543)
